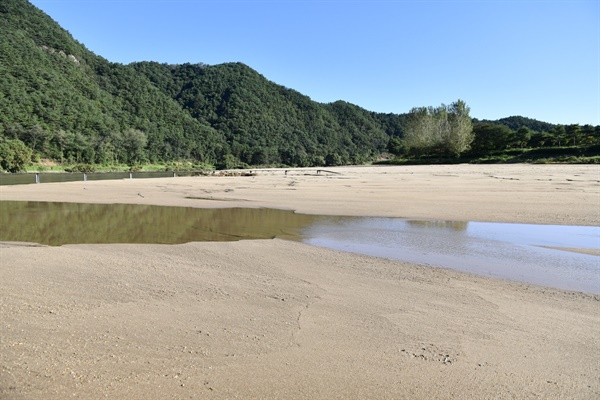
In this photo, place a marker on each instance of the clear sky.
(538, 59)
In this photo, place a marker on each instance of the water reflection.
(452, 225)
(510, 251)
(63, 223)
(50, 177)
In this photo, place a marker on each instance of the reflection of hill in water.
(453, 225)
(62, 223)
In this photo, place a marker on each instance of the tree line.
(60, 101)
(446, 129)
(490, 137)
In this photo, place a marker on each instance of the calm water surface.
(68, 223)
(29, 178)
(508, 251)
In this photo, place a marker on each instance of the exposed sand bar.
(544, 194)
(276, 319)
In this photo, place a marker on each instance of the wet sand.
(276, 319)
(544, 194)
(592, 252)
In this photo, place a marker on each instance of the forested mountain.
(515, 122)
(60, 101)
(66, 102)
(266, 123)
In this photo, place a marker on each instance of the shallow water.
(56, 224)
(48, 177)
(508, 251)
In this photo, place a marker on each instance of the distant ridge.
(517, 121)
(68, 104)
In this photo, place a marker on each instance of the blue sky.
(539, 59)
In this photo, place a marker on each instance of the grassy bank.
(47, 166)
(543, 155)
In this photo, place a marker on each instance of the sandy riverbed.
(276, 319)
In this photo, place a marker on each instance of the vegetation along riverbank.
(63, 103)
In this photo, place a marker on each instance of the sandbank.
(277, 319)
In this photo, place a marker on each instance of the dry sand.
(275, 319)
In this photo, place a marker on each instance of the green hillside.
(59, 101)
(266, 123)
(67, 104)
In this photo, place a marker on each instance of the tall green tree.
(448, 129)
(419, 129)
(14, 155)
(134, 142)
(458, 135)
(557, 135)
(523, 136)
(573, 133)
(588, 135)
(490, 137)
